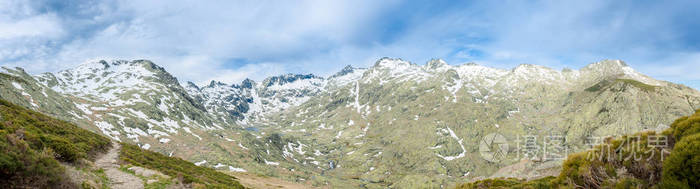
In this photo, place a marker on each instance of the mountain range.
(395, 124)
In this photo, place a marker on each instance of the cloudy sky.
(232, 40)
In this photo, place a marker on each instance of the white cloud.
(39, 26)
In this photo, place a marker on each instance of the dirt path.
(117, 178)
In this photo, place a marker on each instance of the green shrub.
(685, 126)
(546, 182)
(627, 183)
(22, 166)
(682, 168)
(65, 151)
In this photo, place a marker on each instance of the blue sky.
(229, 41)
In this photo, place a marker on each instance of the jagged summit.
(117, 64)
(436, 64)
(617, 69)
(607, 64)
(192, 85)
(345, 71)
(216, 83)
(390, 63)
(286, 78)
(529, 69)
(247, 83)
(471, 64)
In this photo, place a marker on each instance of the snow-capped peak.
(392, 63)
(437, 64)
(537, 72)
(348, 75)
(287, 78)
(191, 85)
(216, 83)
(607, 64)
(345, 71)
(617, 69)
(104, 80)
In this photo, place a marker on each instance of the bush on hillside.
(40, 131)
(682, 168)
(22, 166)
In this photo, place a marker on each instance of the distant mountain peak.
(471, 64)
(138, 67)
(286, 78)
(607, 64)
(247, 83)
(387, 62)
(345, 71)
(436, 64)
(530, 67)
(618, 69)
(192, 85)
(214, 83)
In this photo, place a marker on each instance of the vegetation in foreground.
(634, 162)
(33, 144)
(177, 168)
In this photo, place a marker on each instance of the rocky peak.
(192, 86)
(616, 69)
(607, 64)
(345, 71)
(607, 67)
(116, 67)
(436, 64)
(391, 63)
(12, 71)
(247, 84)
(531, 70)
(216, 84)
(522, 67)
(287, 78)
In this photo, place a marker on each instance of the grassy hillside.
(630, 164)
(32, 144)
(176, 167)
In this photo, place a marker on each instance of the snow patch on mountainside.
(460, 155)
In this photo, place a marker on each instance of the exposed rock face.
(395, 124)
